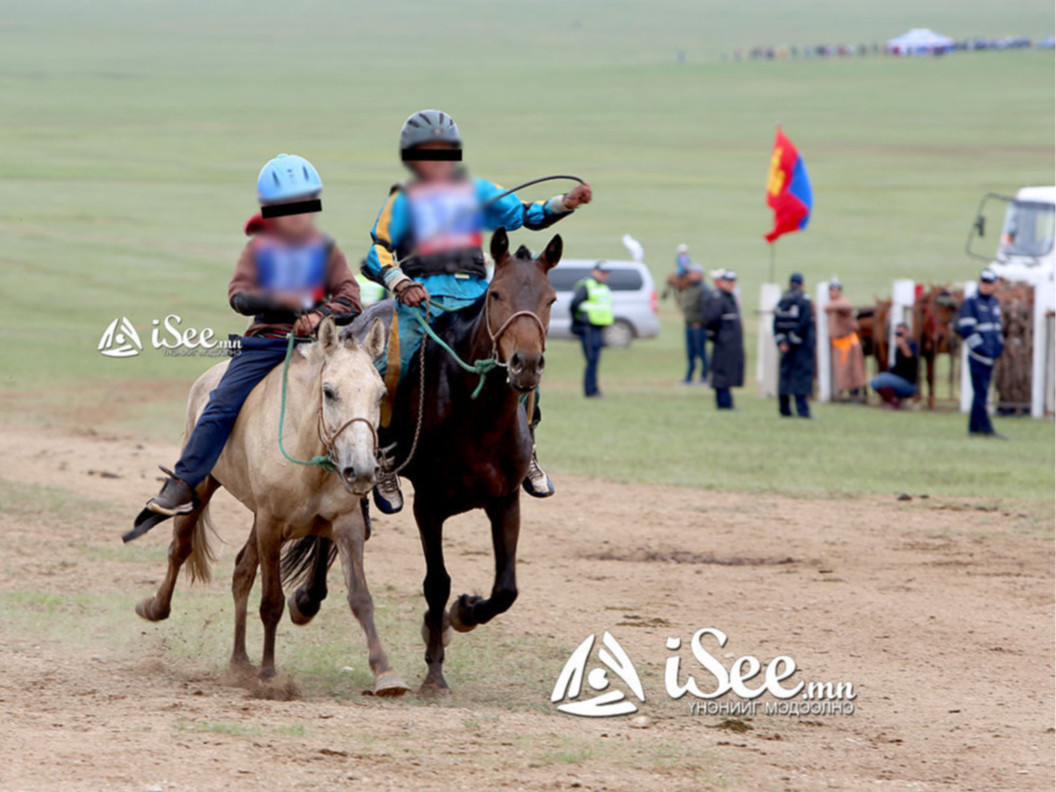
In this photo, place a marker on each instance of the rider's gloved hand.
(577, 196)
(411, 293)
(306, 325)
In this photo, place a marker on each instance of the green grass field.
(133, 133)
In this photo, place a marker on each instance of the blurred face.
(727, 285)
(297, 225)
(834, 292)
(987, 287)
(434, 171)
(600, 276)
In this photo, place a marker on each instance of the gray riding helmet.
(429, 126)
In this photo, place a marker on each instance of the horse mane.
(455, 326)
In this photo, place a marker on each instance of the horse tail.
(202, 554)
(300, 556)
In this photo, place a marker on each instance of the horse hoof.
(434, 690)
(457, 607)
(301, 612)
(389, 684)
(447, 634)
(147, 609)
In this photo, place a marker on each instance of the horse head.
(517, 311)
(350, 396)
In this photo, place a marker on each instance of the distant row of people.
(793, 51)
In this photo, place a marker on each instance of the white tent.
(920, 41)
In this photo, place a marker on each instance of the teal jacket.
(395, 235)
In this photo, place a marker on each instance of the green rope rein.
(322, 460)
(481, 367)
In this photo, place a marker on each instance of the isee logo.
(120, 339)
(746, 680)
(614, 702)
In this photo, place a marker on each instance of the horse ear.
(500, 245)
(552, 254)
(328, 336)
(374, 343)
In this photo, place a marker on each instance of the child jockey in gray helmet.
(427, 244)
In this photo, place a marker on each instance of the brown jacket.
(339, 295)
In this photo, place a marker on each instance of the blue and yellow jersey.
(440, 227)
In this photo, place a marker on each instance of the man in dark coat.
(722, 318)
(979, 324)
(794, 336)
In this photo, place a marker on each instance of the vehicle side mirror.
(980, 225)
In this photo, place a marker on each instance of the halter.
(329, 440)
(496, 335)
(327, 461)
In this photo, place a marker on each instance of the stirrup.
(387, 495)
(537, 483)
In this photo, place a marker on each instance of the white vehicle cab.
(1025, 246)
(633, 299)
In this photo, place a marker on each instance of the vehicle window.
(625, 280)
(1028, 229)
(565, 278)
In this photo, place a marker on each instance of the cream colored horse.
(333, 400)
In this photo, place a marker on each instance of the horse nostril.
(349, 473)
(542, 362)
(516, 361)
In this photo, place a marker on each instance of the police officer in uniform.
(794, 336)
(591, 314)
(722, 317)
(979, 324)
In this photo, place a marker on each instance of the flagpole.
(772, 246)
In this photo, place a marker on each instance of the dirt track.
(939, 611)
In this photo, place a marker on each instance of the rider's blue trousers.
(258, 356)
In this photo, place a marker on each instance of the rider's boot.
(537, 483)
(387, 495)
(176, 496)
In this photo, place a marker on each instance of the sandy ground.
(939, 611)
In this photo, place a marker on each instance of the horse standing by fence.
(331, 408)
(469, 442)
(934, 310)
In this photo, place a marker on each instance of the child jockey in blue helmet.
(427, 244)
(290, 276)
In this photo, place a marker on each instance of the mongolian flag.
(788, 189)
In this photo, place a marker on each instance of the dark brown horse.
(472, 452)
(933, 314)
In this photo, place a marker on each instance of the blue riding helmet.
(288, 178)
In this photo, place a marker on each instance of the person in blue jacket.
(427, 245)
(979, 324)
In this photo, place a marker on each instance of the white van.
(633, 300)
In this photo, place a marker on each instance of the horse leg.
(469, 611)
(157, 607)
(241, 585)
(350, 534)
(305, 601)
(269, 545)
(437, 588)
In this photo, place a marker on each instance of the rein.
(326, 461)
(484, 366)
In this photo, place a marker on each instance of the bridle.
(496, 335)
(329, 439)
